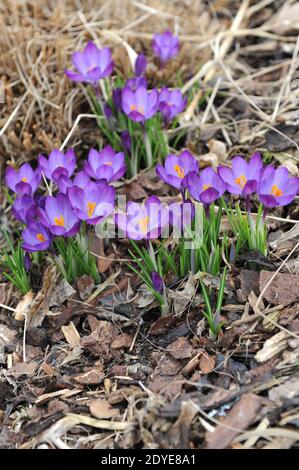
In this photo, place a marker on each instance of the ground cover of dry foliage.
(99, 367)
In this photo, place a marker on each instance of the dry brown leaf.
(182, 298)
(283, 290)
(91, 376)
(122, 341)
(71, 335)
(23, 306)
(22, 368)
(40, 305)
(101, 409)
(99, 341)
(181, 348)
(285, 391)
(239, 417)
(207, 363)
(85, 285)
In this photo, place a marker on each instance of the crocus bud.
(158, 283)
(107, 111)
(116, 96)
(27, 262)
(126, 141)
(140, 65)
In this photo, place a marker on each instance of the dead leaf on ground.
(161, 325)
(101, 409)
(283, 290)
(182, 298)
(40, 305)
(91, 376)
(85, 286)
(61, 293)
(166, 378)
(71, 335)
(22, 368)
(23, 306)
(179, 433)
(207, 363)
(122, 341)
(243, 413)
(99, 341)
(285, 391)
(181, 348)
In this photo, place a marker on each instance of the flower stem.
(148, 148)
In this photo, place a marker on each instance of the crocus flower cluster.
(135, 100)
(87, 196)
(273, 186)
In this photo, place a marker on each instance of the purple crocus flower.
(93, 203)
(92, 64)
(158, 283)
(58, 164)
(25, 209)
(171, 103)
(205, 187)
(276, 187)
(106, 164)
(136, 82)
(165, 46)
(181, 214)
(243, 177)
(59, 217)
(35, 237)
(24, 181)
(176, 168)
(143, 221)
(140, 65)
(126, 141)
(80, 180)
(141, 104)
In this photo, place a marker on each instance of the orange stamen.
(90, 208)
(276, 191)
(133, 107)
(59, 221)
(108, 163)
(24, 179)
(143, 223)
(241, 181)
(40, 237)
(206, 186)
(180, 171)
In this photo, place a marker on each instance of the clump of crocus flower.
(76, 199)
(92, 64)
(165, 46)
